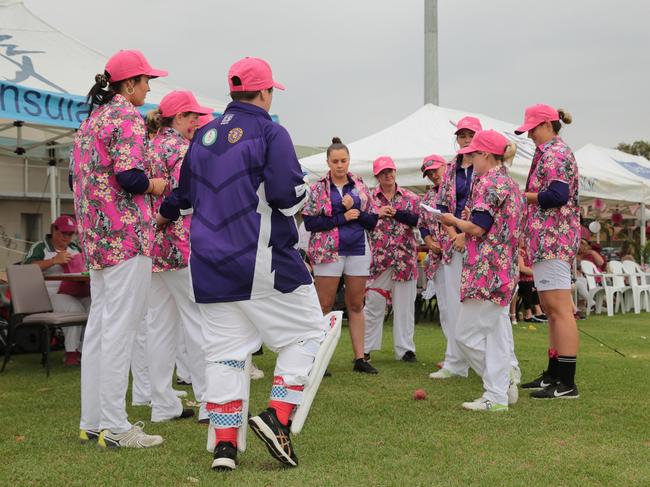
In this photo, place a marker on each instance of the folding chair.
(32, 307)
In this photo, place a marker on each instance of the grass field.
(366, 430)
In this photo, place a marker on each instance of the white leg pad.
(322, 360)
(241, 434)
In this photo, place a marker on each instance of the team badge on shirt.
(210, 137)
(234, 135)
(226, 119)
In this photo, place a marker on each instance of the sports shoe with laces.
(485, 405)
(361, 365)
(86, 436)
(409, 356)
(275, 436)
(134, 438)
(544, 380)
(556, 391)
(225, 456)
(442, 374)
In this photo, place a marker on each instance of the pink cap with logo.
(468, 123)
(536, 115)
(181, 102)
(381, 163)
(487, 141)
(129, 63)
(254, 74)
(432, 162)
(65, 223)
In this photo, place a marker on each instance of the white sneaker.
(256, 373)
(180, 393)
(442, 374)
(513, 393)
(134, 438)
(141, 403)
(485, 405)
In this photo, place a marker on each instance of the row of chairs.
(625, 286)
(31, 306)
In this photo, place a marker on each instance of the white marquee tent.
(44, 77)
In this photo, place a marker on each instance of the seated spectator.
(530, 299)
(590, 253)
(627, 252)
(58, 254)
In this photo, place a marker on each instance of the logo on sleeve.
(210, 137)
(226, 119)
(234, 135)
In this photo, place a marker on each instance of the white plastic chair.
(602, 289)
(640, 287)
(619, 278)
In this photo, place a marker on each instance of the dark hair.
(566, 118)
(104, 91)
(337, 145)
(244, 95)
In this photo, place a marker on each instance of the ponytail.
(103, 91)
(509, 154)
(566, 118)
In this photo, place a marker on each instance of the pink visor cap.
(65, 223)
(127, 64)
(489, 141)
(432, 162)
(381, 163)
(254, 73)
(468, 123)
(536, 115)
(181, 102)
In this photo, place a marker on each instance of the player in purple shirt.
(243, 182)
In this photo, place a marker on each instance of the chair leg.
(11, 337)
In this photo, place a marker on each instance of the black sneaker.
(556, 391)
(409, 357)
(366, 357)
(361, 365)
(225, 456)
(531, 320)
(181, 382)
(186, 413)
(540, 318)
(541, 382)
(275, 436)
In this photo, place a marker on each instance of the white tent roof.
(430, 130)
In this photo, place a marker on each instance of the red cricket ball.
(419, 395)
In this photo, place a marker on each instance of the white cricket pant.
(454, 359)
(482, 337)
(141, 383)
(171, 309)
(182, 360)
(119, 300)
(403, 295)
(70, 304)
(290, 324)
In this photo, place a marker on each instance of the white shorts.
(550, 275)
(349, 265)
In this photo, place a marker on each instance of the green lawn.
(366, 430)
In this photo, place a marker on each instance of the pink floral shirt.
(323, 246)
(490, 268)
(114, 225)
(171, 246)
(433, 260)
(447, 196)
(553, 233)
(393, 243)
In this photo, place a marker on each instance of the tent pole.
(431, 51)
(52, 173)
(644, 221)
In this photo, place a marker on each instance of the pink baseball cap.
(469, 123)
(434, 161)
(254, 73)
(537, 114)
(129, 63)
(181, 102)
(203, 119)
(487, 141)
(65, 223)
(381, 163)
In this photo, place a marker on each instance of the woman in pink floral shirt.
(339, 218)
(433, 167)
(553, 233)
(170, 305)
(452, 197)
(108, 164)
(489, 275)
(393, 272)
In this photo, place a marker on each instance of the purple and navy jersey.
(243, 182)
